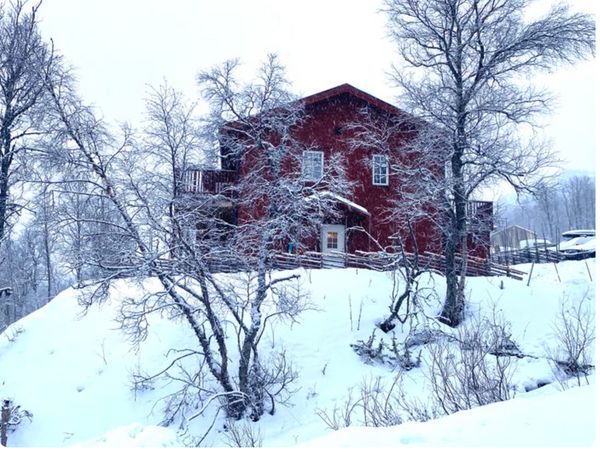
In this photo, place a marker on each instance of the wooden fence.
(378, 261)
(530, 255)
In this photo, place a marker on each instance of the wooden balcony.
(203, 181)
(209, 187)
(480, 215)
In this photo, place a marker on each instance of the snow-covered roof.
(343, 200)
(530, 243)
(582, 232)
(510, 227)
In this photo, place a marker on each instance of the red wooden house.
(366, 224)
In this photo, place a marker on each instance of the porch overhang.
(344, 201)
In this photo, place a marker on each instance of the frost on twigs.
(242, 434)
(575, 334)
(471, 368)
(396, 355)
(378, 404)
(14, 333)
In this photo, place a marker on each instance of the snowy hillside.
(73, 370)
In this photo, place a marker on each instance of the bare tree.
(275, 204)
(578, 196)
(463, 61)
(87, 144)
(557, 206)
(29, 269)
(26, 62)
(150, 226)
(172, 139)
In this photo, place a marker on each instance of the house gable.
(347, 89)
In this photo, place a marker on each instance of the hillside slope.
(73, 370)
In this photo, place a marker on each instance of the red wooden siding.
(325, 129)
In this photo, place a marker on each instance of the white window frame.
(379, 166)
(305, 174)
(335, 236)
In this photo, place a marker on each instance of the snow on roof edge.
(343, 200)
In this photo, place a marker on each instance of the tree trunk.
(4, 422)
(452, 312)
(3, 204)
(47, 252)
(5, 161)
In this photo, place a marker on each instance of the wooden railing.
(480, 215)
(207, 181)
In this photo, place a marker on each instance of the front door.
(333, 240)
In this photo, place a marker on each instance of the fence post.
(556, 269)
(4, 421)
(588, 270)
(530, 273)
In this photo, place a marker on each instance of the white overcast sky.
(119, 47)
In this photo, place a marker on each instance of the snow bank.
(559, 419)
(136, 436)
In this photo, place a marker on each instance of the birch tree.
(26, 62)
(226, 320)
(254, 125)
(463, 68)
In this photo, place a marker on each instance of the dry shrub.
(574, 329)
(476, 368)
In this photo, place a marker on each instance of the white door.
(333, 241)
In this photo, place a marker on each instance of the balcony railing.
(480, 215)
(197, 181)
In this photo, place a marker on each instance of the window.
(380, 170)
(312, 165)
(332, 240)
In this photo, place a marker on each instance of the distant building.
(511, 238)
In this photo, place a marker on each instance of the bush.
(12, 417)
(475, 370)
(242, 434)
(395, 355)
(379, 405)
(574, 330)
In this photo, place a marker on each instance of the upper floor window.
(312, 165)
(381, 170)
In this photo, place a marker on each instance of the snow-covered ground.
(73, 370)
